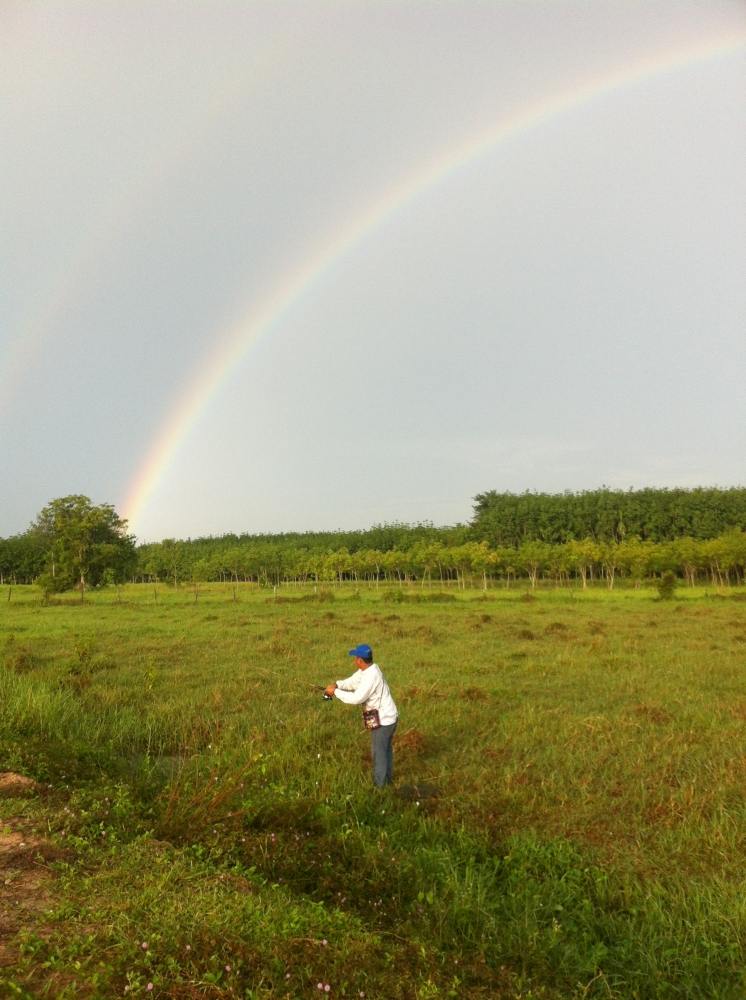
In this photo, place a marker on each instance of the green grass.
(587, 838)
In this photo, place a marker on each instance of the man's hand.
(330, 689)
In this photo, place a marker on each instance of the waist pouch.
(370, 719)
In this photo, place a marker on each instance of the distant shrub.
(667, 585)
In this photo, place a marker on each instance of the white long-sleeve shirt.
(369, 688)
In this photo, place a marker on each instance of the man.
(368, 687)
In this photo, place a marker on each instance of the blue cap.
(363, 651)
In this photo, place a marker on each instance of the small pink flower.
(188, 948)
(144, 946)
(327, 988)
(227, 968)
(319, 986)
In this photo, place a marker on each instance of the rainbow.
(265, 315)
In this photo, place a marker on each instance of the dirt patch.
(16, 786)
(25, 876)
(412, 741)
(25, 881)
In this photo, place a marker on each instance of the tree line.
(720, 561)
(74, 543)
(655, 515)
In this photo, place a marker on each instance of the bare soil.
(26, 880)
(16, 786)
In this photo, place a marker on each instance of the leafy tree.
(81, 542)
(635, 558)
(533, 557)
(22, 558)
(688, 555)
(582, 554)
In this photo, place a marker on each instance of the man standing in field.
(368, 687)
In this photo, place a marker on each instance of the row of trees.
(74, 543)
(655, 515)
(720, 561)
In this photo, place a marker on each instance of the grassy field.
(567, 819)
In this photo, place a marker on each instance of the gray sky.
(560, 309)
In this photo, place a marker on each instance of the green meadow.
(567, 818)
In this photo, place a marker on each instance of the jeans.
(382, 750)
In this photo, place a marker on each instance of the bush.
(667, 585)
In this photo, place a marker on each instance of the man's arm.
(350, 683)
(361, 692)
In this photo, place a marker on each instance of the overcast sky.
(562, 309)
